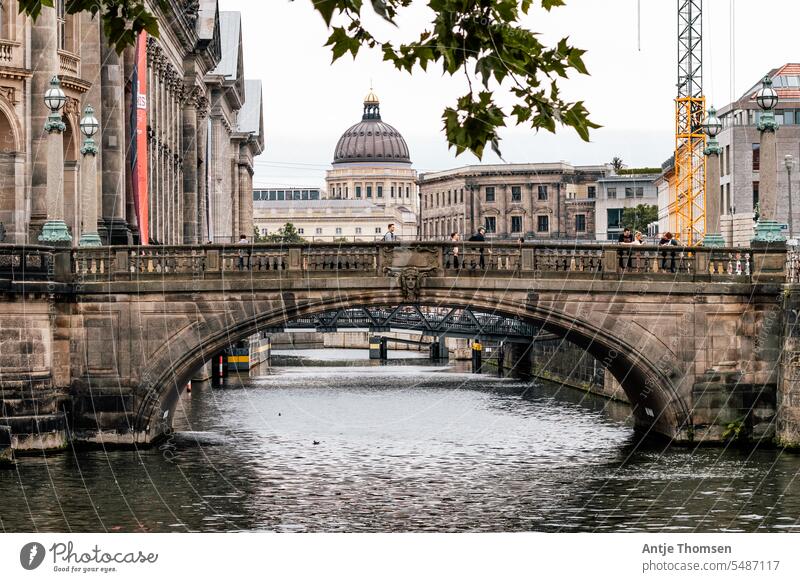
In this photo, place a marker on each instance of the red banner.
(140, 170)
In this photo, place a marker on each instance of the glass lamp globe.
(55, 98)
(712, 125)
(89, 123)
(767, 97)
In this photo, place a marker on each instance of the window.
(516, 194)
(369, 191)
(756, 157)
(612, 192)
(580, 223)
(61, 19)
(614, 217)
(301, 231)
(516, 224)
(461, 197)
(628, 191)
(391, 192)
(542, 223)
(640, 192)
(377, 230)
(358, 191)
(755, 194)
(380, 192)
(408, 191)
(358, 230)
(449, 201)
(264, 231)
(542, 192)
(788, 117)
(727, 160)
(491, 223)
(592, 191)
(317, 230)
(489, 195)
(338, 230)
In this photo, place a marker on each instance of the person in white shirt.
(390, 236)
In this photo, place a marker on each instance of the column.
(246, 200)
(112, 119)
(202, 169)
(45, 64)
(89, 236)
(713, 236)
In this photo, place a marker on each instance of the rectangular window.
(614, 217)
(592, 191)
(61, 20)
(788, 117)
(727, 160)
(380, 192)
(491, 224)
(358, 191)
(628, 191)
(580, 223)
(462, 196)
(449, 201)
(377, 230)
(755, 194)
(640, 192)
(369, 191)
(612, 192)
(358, 230)
(542, 190)
(408, 191)
(516, 224)
(318, 231)
(265, 231)
(391, 192)
(301, 231)
(756, 157)
(489, 194)
(516, 194)
(338, 230)
(542, 224)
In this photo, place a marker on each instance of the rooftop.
(230, 32)
(511, 169)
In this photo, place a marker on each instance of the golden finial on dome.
(371, 98)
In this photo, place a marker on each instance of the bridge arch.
(651, 376)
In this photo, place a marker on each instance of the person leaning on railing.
(667, 240)
(626, 238)
(242, 252)
(455, 239)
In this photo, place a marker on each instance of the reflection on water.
(403, 447)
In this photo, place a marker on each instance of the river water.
(331, 442)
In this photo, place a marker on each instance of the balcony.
(10, 53)
(69, 64)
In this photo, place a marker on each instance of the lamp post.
(788, 161)
(55, 231)
(89, 127)
(768, 230)
(712, 126)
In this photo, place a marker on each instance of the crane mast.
(687, 207)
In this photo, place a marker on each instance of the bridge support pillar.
(788, 426)
(439, 351)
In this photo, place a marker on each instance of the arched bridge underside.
(126, 336)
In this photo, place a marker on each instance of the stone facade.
(181, 93)
(539, 201)
(741, 170)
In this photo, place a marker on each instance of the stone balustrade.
(446, 259)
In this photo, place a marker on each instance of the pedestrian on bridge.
(455, 238)
(668, 240)
(242, 252)
(390, 236)
(626, 238)
(480, 236)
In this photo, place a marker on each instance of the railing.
(69, 63)
(7, 50)
(539, 260)
(793, 266)
(26, 263)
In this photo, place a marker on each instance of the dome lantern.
(372, 106)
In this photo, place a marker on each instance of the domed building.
(372, 164)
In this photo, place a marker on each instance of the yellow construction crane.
(687, 213)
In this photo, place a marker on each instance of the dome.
(371, 140)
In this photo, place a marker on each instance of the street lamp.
(768, 229)
(89, 126)
(788, 161)
(712, 126)
(55, 230)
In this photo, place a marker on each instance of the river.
(328, 441)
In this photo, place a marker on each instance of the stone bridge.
(96, 345)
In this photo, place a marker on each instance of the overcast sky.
(309, 103)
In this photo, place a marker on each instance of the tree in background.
(481, 40)
(638, 217)
(617, 164)
(287, 234)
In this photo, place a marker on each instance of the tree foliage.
(639, 217)
(287, 234)
(617, 164)
(483, 40)
(122, 19)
